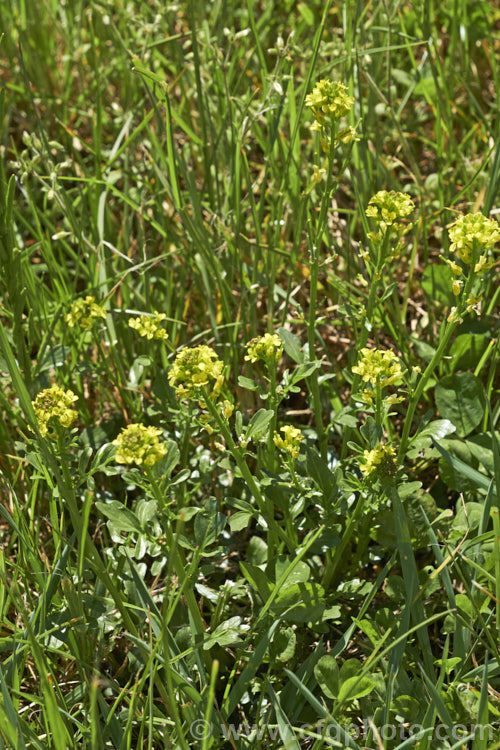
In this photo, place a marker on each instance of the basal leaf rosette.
(197, 371)
(140, 445)
(53, 406)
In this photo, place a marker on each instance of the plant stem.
(451, 327)
(265, 507)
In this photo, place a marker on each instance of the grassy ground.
(212, 580)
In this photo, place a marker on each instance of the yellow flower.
(378, 367)
(473, 229)
(85, 312)
(54, 403)
(268, 347)
(329, 98)
(149, 325)
(140, 445)
(194, 370)
(291, 442)
(227, 408)
(388, 209)
(379, 460)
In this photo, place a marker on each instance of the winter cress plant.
(250, 456)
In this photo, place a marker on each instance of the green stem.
(338, 555)
(178, 561)
(265, 508)
(451, 327)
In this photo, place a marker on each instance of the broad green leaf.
(257, 580)
(283, 645)
(239, 520)
(421, 444)
(436, 283)
(460, 398)
(209, 523)
(301, 602)
(457, 468)
(258, 425)
(120, 517)
(355, 687)
(292, 345)
(301, 571)
(467, 350)
(247, 383)
(326, 672)
(372, 432)
(228, 633)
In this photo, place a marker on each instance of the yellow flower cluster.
(54, 403)
(268, 347)
(291, 440)
(378, 367)
(140, 445)
(379, 460)
(149, 326)
(196, 369)
(472, 238)
(474, 230)
(85, 312)
(387, 209)
(329, 99)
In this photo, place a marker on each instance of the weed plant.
(249, 453)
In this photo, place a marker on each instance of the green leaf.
(476, 478)
(460, 398)
(120, 517)
(258, 425)
(239, 520)
(283, 645)
(292, 345)
(257, 580)
(372, 432)
(300, 573)
(52, 358)
(467, 350)
(228, 633)
(436, 283)
(422, 442)
(247, 383)
(301, 602)
(209, 523)
(171, 459)
(355, 687)
(326, 672)
(320, 472)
